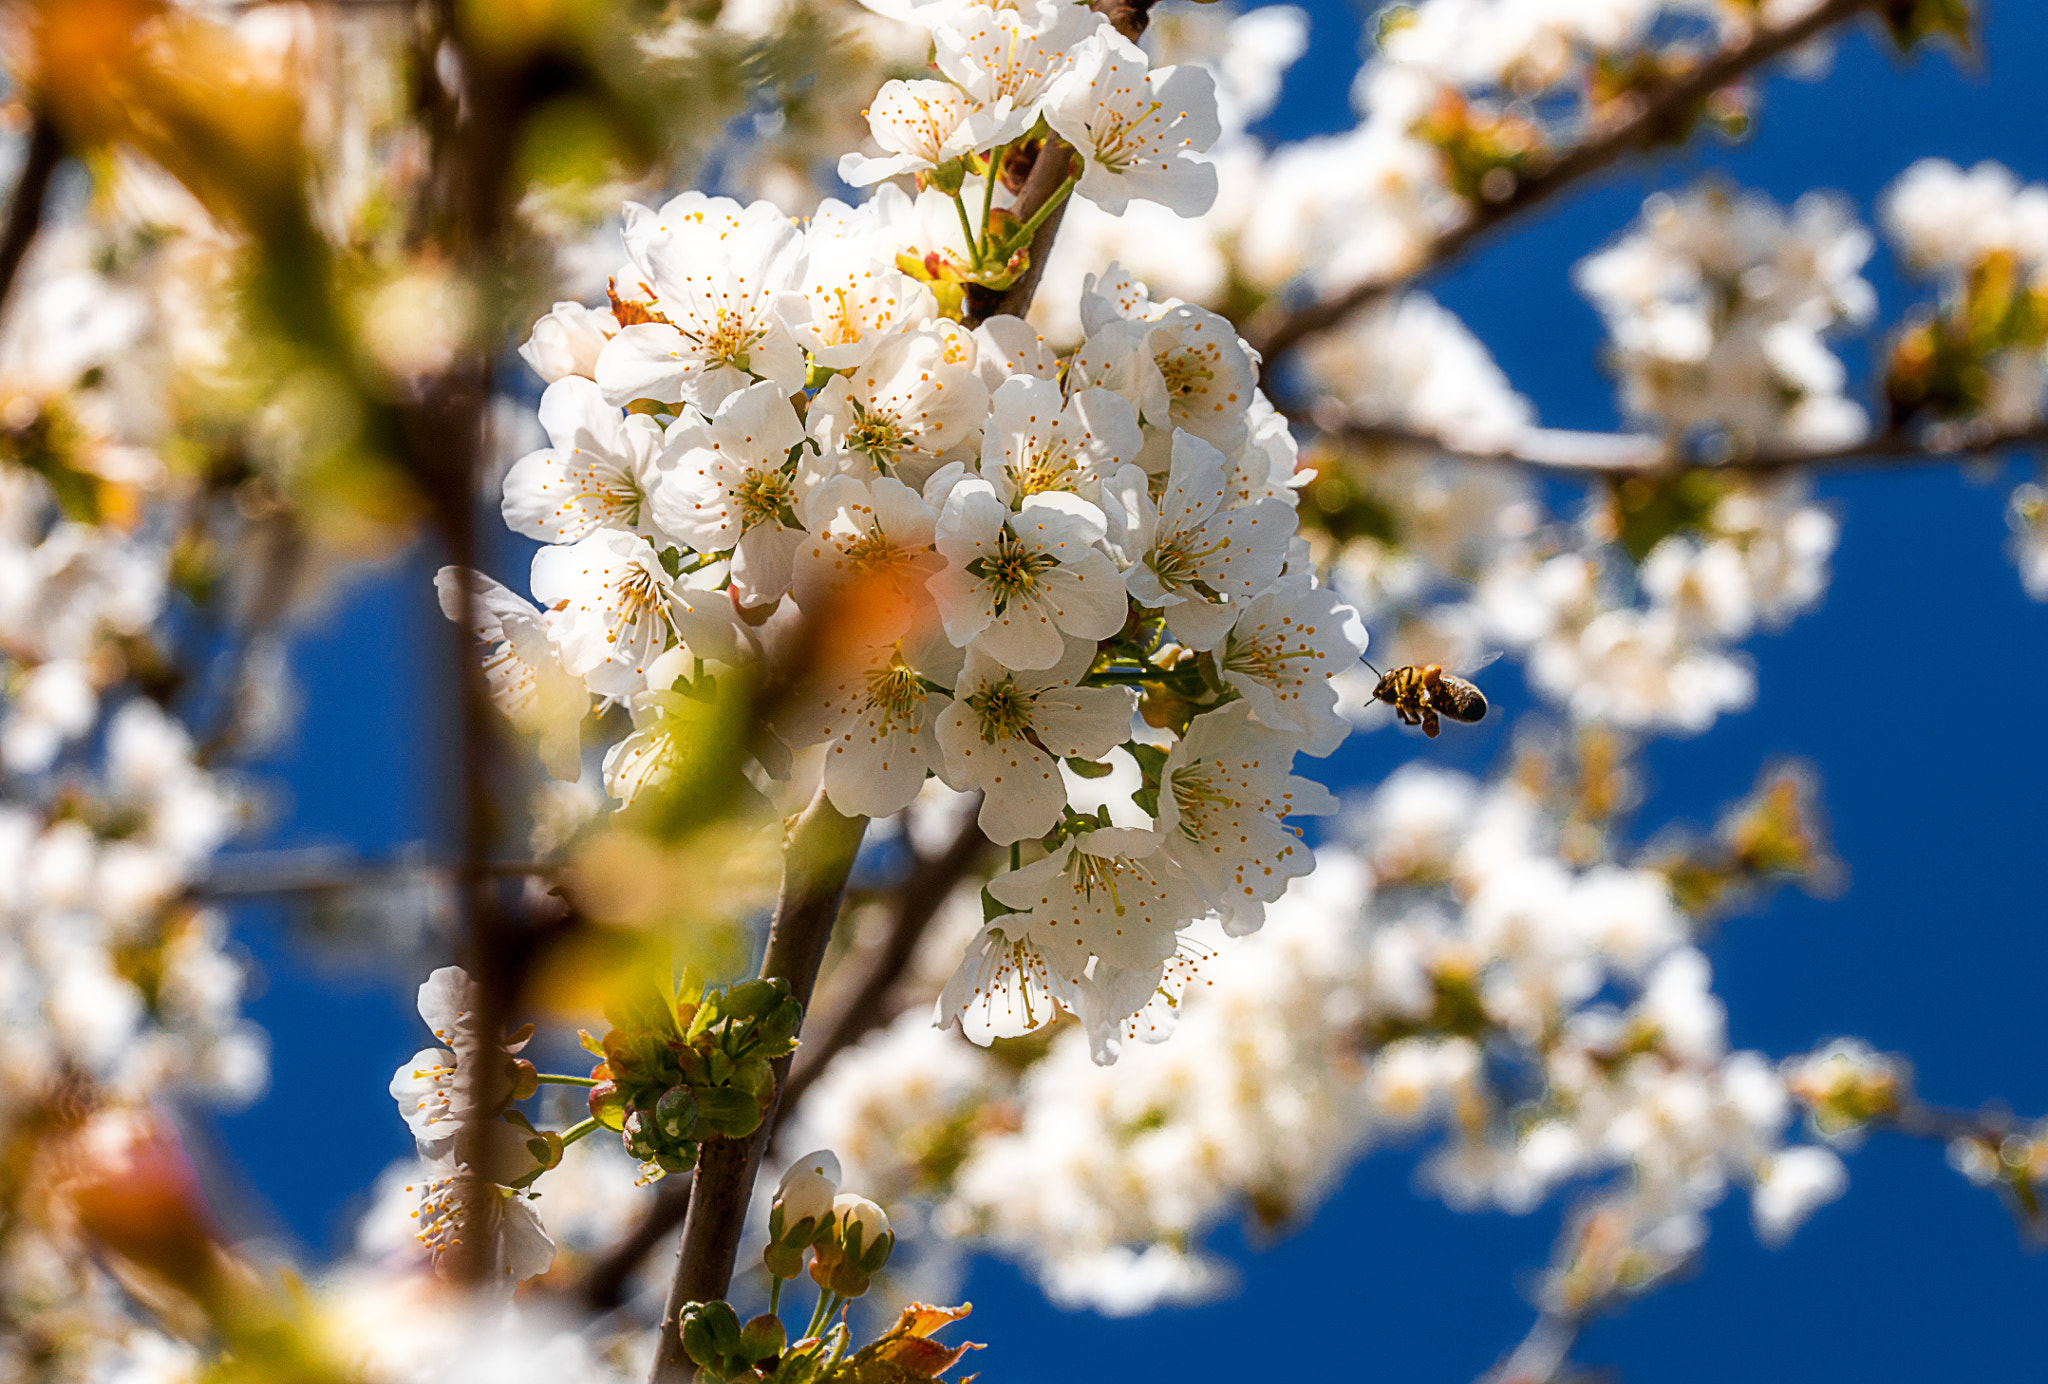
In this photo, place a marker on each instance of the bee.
(1420, 693)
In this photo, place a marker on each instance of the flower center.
(1185, 369)
(1004, 712)
(1101, 874)
(896, 693)
(877, 434)
(1051, 467)
(1196, 797)
(1011, 570)
(763, 496)
(1121, 140)
(1265, 659)
(640, 595)
(1176, 564)
(730, 341)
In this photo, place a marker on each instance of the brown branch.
(1048, 173)
(1606, 456)
(604, 1286)
(25, 212)
(1662, 110)
(816, 862)
(864, 1006)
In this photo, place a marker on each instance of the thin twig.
(25, 212)
(1662, 110)
(816, 863)
(1540, 1356)
(1602, 456)
(863, 1007)
(604, 1286)
(318, 870)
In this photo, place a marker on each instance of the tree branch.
(864, 1007)
(816, 862)
(1048, 171)
(1606, 456)
(1661, 109)
(25, 212)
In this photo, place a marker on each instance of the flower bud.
(863, 1245)
(807, 1190)
(675, 1114)
(711, 1334)
(861, 1222)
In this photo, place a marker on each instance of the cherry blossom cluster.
(1717, 303)
(1037, 569)
(1459, 931)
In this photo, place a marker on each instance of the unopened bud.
(860, 1222)
(807, 1190)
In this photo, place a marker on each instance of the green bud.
(779, 1025)
(947, 177)
(675, 1114)
(783, 1261)
(525, 1080)
(729, 1111)
(711, 1334)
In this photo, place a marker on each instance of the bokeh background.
(1913, 691)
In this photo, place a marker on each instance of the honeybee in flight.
(1420, 693)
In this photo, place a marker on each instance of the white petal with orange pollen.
(921, 123)
(1138, 130)
(1006, 727)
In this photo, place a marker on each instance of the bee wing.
(1479, 664)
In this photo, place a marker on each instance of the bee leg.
(1431, 727)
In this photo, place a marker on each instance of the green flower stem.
(774, 1296)
(988, 191)
(557, 1079)
(967, 229)
(823, 1314)
(577, 1131)
(1030, 228)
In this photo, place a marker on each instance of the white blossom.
(1016, 582)
(1007, 728)
(597, 475)
(1137, 130)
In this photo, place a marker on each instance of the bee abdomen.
(1460, 700)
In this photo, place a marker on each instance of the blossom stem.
(578, 1130)
(556, 1079)
(774, 1296)
(988, 191)
(967, 229)
(823, 1314)
(1052, 204)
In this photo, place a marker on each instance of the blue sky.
(1907, 690)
